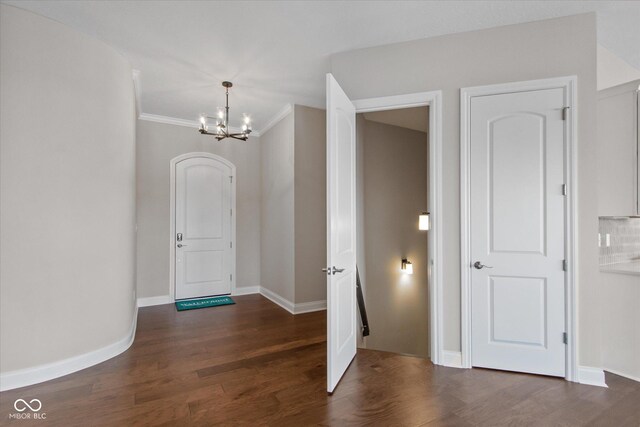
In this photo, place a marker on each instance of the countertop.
(630, 267)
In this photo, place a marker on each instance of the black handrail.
(363, 309)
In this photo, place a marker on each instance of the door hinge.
(565, 113)
(231, 212)
(565, 338)
(564, 189)
(231, 179)
(231, 244)
(565, 265)
(231, 277)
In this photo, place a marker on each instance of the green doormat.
(191, 304)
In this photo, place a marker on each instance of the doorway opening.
(392, 170)
(342, 244)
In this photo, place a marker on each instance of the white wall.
(543, 49)
(277, 217)
(157, 144)
(394, 170)
(67, 153)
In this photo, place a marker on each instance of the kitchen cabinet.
(618, 146)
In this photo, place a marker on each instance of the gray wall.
(360, 218)
(310, 183)
(277, 209)
(394, 169)
(157, 144)
(67, 132)
(543, 49)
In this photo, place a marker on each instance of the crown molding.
(182, 122)
(275, 119)
(169, 120)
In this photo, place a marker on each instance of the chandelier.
(222, 129)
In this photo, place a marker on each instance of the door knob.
(480, 266)
(181, 245)
(336, 270)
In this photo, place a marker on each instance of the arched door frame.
(172, 217)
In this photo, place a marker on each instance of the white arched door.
(204, 256)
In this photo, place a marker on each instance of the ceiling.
(416, 118)
(277, 52)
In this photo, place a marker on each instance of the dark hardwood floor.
(255, 364)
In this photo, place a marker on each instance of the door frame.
(433, 100)
(569, 85)
(172, 217)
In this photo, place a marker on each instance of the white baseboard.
(303, 307)
(591, 376)
(246, 290)
(37, 374)
(166, 299)
(159, 300)
(282, 302)
(308, 307)
(452, 359)
(622, 374)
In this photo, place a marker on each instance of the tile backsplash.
(624, 240)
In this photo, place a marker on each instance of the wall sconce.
(407, 267)
(424, 222)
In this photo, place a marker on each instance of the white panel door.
(517, 232)
(341, 232)
(203, 228)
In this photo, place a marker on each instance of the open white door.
(341, 233)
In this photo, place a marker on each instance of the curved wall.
(67, 213)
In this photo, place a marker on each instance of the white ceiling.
(277, 52)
